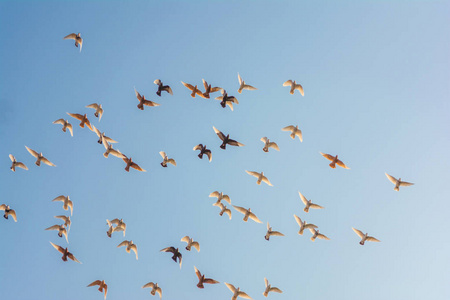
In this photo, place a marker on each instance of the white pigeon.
(223, 209)
(167, 160)
(98, 110)
(268, 144)
(294, 86)
(308, 203)
(130, 246)
(155, 288)
(191, 243)
(364, 237)
(243, 86)
(247, 214)
(76, 37)
(220, 196)
(66, 202)
(316, 234)
(16, 163)
(269, 288)
(398, 182)
(303, 225)
(65, 124)
(271, 232)
(237, 292)
(294, 132)
(260, 177)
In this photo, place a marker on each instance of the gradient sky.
(376, 80)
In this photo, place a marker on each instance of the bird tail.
(333, 165)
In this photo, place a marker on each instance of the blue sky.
(375, 75)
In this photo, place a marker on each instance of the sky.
(376, 81)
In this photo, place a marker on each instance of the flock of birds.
(118, 225)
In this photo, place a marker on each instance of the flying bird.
(303, 225)
(110, 150)
(120, 226)
(269, 288)
(102, 286)
(194, 89)
(143, 101)
(334, 160)
(260, 177)
(209, 89)
(76, 37)
(166, 159)
(65, 124)
(203, 150)
(61, 230)
(176, 254)
(8, 211)
(226, 140)
(162, 87)
(131, 163)
(364, 237)
(316, 234)
(268, 144)
(102, 136)
(308, 203)
(66, 202)
(191, 243)
(237, 292)
(202, 279)
(220, 196)
(83, 120)
(294, 132)
(66, 219)
(247, 214)
(271, 232)
(223, 209)
(98, 110)
(130, 246)
(243, 86)
(16, 163)
(65, 252)
(227, 100)
(155, 288)
(40, 158)
(398, 182)
(294, 86)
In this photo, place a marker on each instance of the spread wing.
(76, 116)
(277, 233)
(298, 220)
(341, 164)
(32, 152)
(21, 165)
(358, 232)
(71, 36)
(172, 161)
(134, 248)
(300, 89)
(12, 213)
(150, 103)
(244, 295)
(287, 83)
(235, 143)
(226, 198)
(54, 227)
(47, 162)
(163, 154)
(231, 287)
(254, 218)
(303, 198)
(289, 128)
(99, 134)
(404, 183)
(169, 249)
(274, 146)
(148, 285)
(240, 209)
(72, 257)
(93, 105)
(372, 239)
(137, 167)
(275, 289)
(59, 198)
(327, 156)
(214, 194)
(198, 147)
(264, 179)
(315, 206)
(322, 237)
(256, 174)
(228, 212)
(124, 243)
(249, 87)
(2, 207)
(199, 275)
(391, 178)
(185, 239)
(97, 282)
(209, 154)
(69, 126)
(196, 245)
(116, 153)
(59, 248)
(59, 121)
(189, 86)
(240, 79)
(210, 281)
(219, 133)
(309, 226)
(138, 95)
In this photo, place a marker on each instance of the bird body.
(15, 164)
(398, 182)
(202, 279)
(176, 254)
(317, 234)
(65, 252)
(194, 90)
(269, 288)
(227, 100)
(237, 292)
(166, 159)
(131, 163)
(83, 120)
(143, 101)
(209, 89)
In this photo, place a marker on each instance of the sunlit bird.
(120, 226)
(294, 132)
(162, 87)
(316, 234)
(16, 163)
(193, 89)
(227, 100)
(209, 89)
(364, 237)
(66, 202)
(294, 86)
(243, 86)
(308, 203)
(39, 158)
(268, 144)
(110, 150)
(61, 231)
(398, 182)
(103, 287)
(271, 232)
(102, 136)
(176, 254)
(247, 214)
(334, 161)
(65, 252)
(166, 159)
(190, 243)
(132, 164)
(83, 120)
(129, 246)
(226, 140)
(98, 110)
(260, 177)
(303, 225)
(143, 101)
(66, 219)
(223, 209)
(8, 212)
(220, 196)
(237, 292)
(203, 150)
(65, 124)
(76, 37)
(269, 288)
(202, 279)
(155, 288)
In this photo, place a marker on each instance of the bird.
(294, 132)
(190, 243)
(209, 89)
(308, 203)
(61, 230)
(76, 37)
(130, 246)
(243, 86)
(227, 100)
(271, 232)
(98, 110)
(66, 202)
(131, 163)
(155, 288)
(237, 292)
(162, 87)
(268, 144)
(40, 158)
(294, 86)
(65, 124)
(103, 287)
(203, 150)
(260, 177)
(102, 136)
(8, 211)
(269, 288)
(247, 214)
(316, 234)
(303, 225)
(223, 209)
(220, 196)
(110, 150)
(334, 161)
(16, 163)
(143, 101)
(398, 182)
(364, 237)
(166, 160)
(226, 140)
(176, 254)
(65, 252)
(202, 279)
(83, 120)
(66, 219)
(194, 89)
(120, 226)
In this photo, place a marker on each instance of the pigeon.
(76, 37)
(243, 86)
(102, 286)
(191, 243)
(203, 150)
(364, 237)
(227, 100)
(237, 292)
(398, 182)
(194, 89)
(269, 288)
(202, 279)
(98, 110)
(15, 164)
(67, 202)
(162, 87)
(102, 136)
(65, 124)
(294, 86)
(65, 252)
(110, 150)
(247, 214)
(176, 254)
(308, 204)
(143, 101)
(120, 226)
(334, 161)
(61, 230)
(167, 160)
(155, 288)
(226, 140)
(209, 89)
(40, 158)
(131, 163)
(271, 232)
(268, 144)
(220, 196)
(316, 234)
(130, 246)
(8, 211)
(295, 132)
(260, 177)
(66, 219)
(224, 209)
(303, 225)
(83, 119)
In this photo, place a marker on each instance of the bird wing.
(134, 248)
(243, 295)
(253, 173)
(276, 233)
(47, 162)
(93, 105)
(210, 281)
(137, 94)
(71, 36)
(54, 227)
(163, 154)
(198, 147)
(298, 220)
(264, 140)
(289, 128)
(205, 84)
(219, 133)
(159, 291)
(32, 152)
(189, 86)
(310, 225)
(327, 156)
(116, 153)
(185, 239)
(226, 198)
(172, 161)
(372, 239)
(150, 103)
(322, 237)
(300, 89)
(273, 145)
(137, 167)
(97, 282)
(209, 154)
(249, 87)
(240, 209)
(77, 116)
(341, 164)
(315, 206)
(313, 230)
(391, 178)
(148, 285)
(404, 183)
(99, 134)
(59, 198)
(124, 243)
(275, 289)
(299, 134)
(215, 89)
(304, 200)
(198, 92)
(169, 90)
(228, 212)
(72, 257)
(2, 207)
(199, 275)
(230, 287)
(196, 245)
(287, 83)
(235, 143)
(254, 218)
(169, 249)
(69, 126)
(358, 232)
(59, 121)
(240, 79)
(21, 165)
(157, 81)
(264, 179)
(266, 281)
(214, 194)
(12, 212)
(59, 248)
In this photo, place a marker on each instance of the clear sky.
(376, 80)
